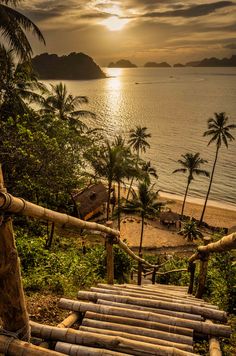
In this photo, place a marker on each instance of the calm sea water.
(174, 104)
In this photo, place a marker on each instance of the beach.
(156, 236)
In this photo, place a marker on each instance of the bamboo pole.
(78, 350)
(66, 323)
(226, 243)
(131, 336)
(138, 330)
(12, 301)
(214, 344)
(152, 297)
(13, 347)
(110, 255)
(203, 311)
(11, 204)
(132, 321)
(151, 310)
(191, 269)
(109, 342)
(203, 270)
(197, 326)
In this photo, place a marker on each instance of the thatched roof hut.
(90, 200)
(169, 217)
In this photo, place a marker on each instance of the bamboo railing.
(226, 243)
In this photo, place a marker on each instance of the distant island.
(179, 65)
(214, 62)
(122, 63)
(78, 66)
(157, 65)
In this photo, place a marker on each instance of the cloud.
(192, 11)
(230, 46)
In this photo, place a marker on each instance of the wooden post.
(203, 270)
(191, 270)
(12, 302)
(110, 256)
(154, 275)
(140, 268)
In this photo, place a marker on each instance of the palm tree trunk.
(209, 188)
(185, 196)
(108, 199)
(132, 180)
(118, 205)
(140, 252)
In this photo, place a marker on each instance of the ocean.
(174, 104)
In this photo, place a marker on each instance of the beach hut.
(91, 200)
(169, 218)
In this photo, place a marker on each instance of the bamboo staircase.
(128, 320)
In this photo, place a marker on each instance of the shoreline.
(197, 201)
(216, 214)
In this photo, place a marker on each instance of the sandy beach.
(157, 237)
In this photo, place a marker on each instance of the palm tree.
(191, 164)
(62, 105)
(219, 132)
(148, 171)
(145, 203)
(19, 85)
(124, 168)
(138, 141)
(13, 26)
(190, 230)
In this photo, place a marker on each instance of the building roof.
(91, 198)
(169, 216)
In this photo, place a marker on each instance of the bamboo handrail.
(226, 243)
(12, 204)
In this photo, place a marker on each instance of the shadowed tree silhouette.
(191, 164)
(219, 132)
(138, 141)
(13, 26)
(19, 85)
(190, 230)
(59, 103)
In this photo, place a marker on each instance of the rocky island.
(75, 66)
(157, 65)
(122, 63)
(214, 62)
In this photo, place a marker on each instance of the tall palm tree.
(149, 171)
(13, 26)
(145, 203)
(191, 164)
(19, 85)
(138, 141)
(59, 103)
(124, 168)
(219, 132)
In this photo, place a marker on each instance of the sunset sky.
(139, 30)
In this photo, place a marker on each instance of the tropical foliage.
(190, 230)
(13, 26)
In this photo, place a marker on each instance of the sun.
(113, 23)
